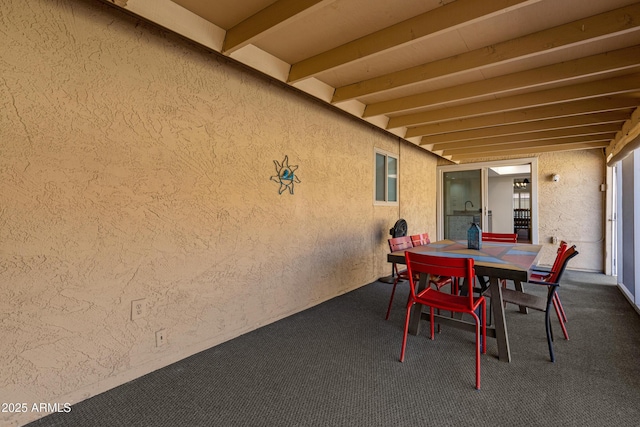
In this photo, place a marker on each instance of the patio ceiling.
(464, 79)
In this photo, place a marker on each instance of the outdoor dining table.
(495, 261)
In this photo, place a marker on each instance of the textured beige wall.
(135, 165)
(572, 208)
(418, 182)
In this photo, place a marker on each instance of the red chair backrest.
(400, 243)
(420, 239)
(440, 266)
(500, 237)
(559, 257)
(556, 275)
(561, 250)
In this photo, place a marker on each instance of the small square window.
(386, 178)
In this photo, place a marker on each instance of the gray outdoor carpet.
(337, 365)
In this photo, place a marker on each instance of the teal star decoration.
(285, 175)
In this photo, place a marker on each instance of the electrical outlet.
(138, 308)
(161, 338)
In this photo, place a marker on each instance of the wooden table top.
(503, 260)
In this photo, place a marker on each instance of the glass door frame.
(612, 229)
(484, 168)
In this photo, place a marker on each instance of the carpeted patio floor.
(337, 365)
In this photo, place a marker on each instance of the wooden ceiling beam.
(599, 26)
(267, 20)
(590, 106)
(590, 131)
(614, 117)
(530, 145)
(516, 151)
(626, 140)
(595, 89)
(447, 17)
(608, 62)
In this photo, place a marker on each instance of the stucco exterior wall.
(136, 165)
(572, 208)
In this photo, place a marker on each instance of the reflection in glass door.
(484, 193)
(462, 202)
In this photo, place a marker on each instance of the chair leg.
(560, 318)
(481, 312)
(484, 327)
(547, 320)
(549, 336)
(393, 291)
(406, 330)
(479, 328)
(431, 322)
(483, 338)
(478, 356)
(557, 300)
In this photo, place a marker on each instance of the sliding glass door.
(501, 197)
(462, 202)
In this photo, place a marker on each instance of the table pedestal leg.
(519, 288)
(502, 338)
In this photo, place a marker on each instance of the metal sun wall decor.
(285, 175)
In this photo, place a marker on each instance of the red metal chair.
(500, 237)
(542, 275)
(420, 239)
(399, 244)
(552, 282)
(438, 282)
(436, 299)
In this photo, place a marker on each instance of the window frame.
(378, 152)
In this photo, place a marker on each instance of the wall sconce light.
(555, 178)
